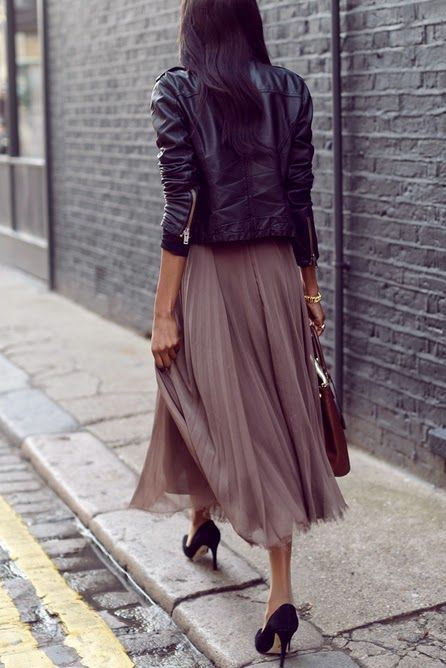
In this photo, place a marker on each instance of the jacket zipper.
(310, 233)
(186, 231)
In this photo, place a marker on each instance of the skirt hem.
(216, 513)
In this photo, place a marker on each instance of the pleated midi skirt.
(238, 425)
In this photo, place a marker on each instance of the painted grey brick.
(104, 57)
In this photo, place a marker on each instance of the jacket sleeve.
(176, 162)
(299, 184)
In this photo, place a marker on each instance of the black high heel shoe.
(283, 622)
(206, 536)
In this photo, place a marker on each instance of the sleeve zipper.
(186, 231)
(310, 233)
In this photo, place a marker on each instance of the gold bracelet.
(313, 299)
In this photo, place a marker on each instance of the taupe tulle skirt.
(238, 425)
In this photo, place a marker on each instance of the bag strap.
(318, 350)
(320, 356)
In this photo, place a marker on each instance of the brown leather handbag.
(333, 420)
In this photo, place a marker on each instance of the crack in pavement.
(394, 618)
(218, 590)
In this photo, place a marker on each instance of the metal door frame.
(18, 248)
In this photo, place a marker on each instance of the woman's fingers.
(158, 361)
(165, 341)
(319, 329)
(317, 317)
(172, 352)
(166, 359)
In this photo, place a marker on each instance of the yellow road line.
(18, 647)
(86, 631)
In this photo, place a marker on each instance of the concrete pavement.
(91, 388)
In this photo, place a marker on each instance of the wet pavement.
(57, 586)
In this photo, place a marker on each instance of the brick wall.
(394, 63)
(104, 57)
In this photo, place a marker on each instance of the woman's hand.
(165, 331)
(165, 340)
(317, 317)
(311, 287)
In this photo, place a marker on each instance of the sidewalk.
(77, 394)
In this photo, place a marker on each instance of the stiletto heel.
(214, 558)
(206, 536)
(285, 639)
(283, 622)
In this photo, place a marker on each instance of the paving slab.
(133, 455)
(12, 377)
(29, 411)
(117, 357)
(85, 473)
(223, 626)
(44, 357)
(149, 547)
(416, 641)
(316, 660)
(382, 560)
(118, 432)
(102, 407)
(70, 385)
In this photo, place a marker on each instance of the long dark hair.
(217, 40)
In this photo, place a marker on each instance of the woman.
(237, 433)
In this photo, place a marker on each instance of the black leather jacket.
(211, 194)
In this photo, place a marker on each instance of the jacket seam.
(181, 93)
(261, 90)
